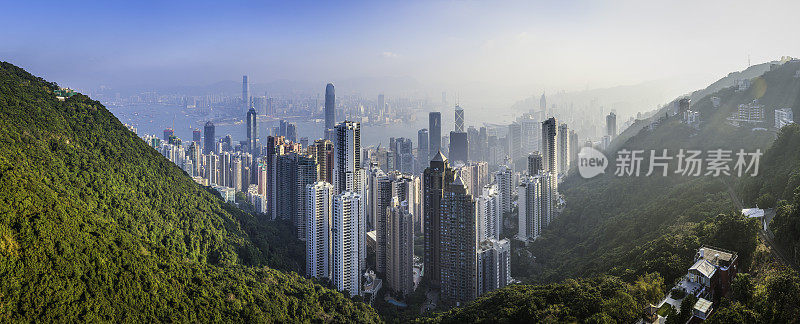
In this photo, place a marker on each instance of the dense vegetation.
(97, 226)
(597, 300)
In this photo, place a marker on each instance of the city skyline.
(509, 52)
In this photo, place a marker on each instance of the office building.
(434, 134)
(208, 140)
(252, 133)
(319, 212)
(514, 141)
(422, 147)
(459, 147)
(245, 94)
(459, 120)
(197, 135)
(330, 107)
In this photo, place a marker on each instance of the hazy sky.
(514, 48)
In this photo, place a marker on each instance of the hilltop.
(98, 226)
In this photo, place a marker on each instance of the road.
(766, 235)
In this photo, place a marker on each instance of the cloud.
(390, 55)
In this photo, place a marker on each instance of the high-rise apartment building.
(345, 242)
(535, 164)
(400, 248)
(458, 244)
(490, 214)
(493, 265)
(550, 145)
(504, 178)
(435, 178)
(563, 148)
(347, 157)
(319, 213)
(322, 151)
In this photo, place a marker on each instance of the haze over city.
(488, 54)
(400, 162)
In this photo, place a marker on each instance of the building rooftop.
(716, 256)
(702, 305)
(753, 212)
(704, 267)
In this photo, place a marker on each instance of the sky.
(488, 49)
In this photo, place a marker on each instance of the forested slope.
(97, 226)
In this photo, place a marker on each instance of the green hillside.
(97, 226)
(622, 235)
(634, 225)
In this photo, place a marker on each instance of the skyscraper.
(543, 104)
(529, 207)
(493, 265)
(435, 133)
(422, 147)
(208, 141)
(322, 150)
(435, 178)
(168, 132)
(489, 213)
(459, 147)
(574, 148)
(611, 124)
(563, 148)
(245, 94)
(459, 120)
(306, 175)
(197, 135)
(534, 163)
(345, 252)
(550, 145)
(514, 141)
(330, 106)
(347, 157)
(319, 211)
(458, 240)
(505, 185)
(252, 132)
(381, 107)
(400, 248)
